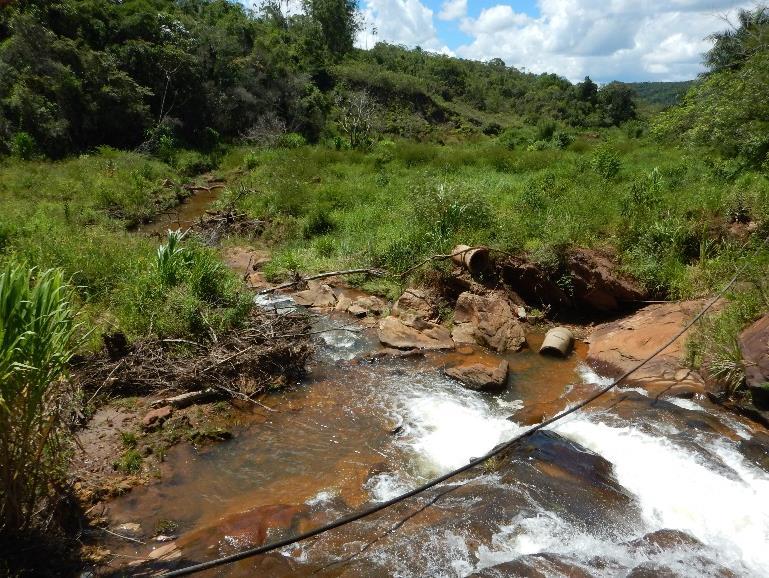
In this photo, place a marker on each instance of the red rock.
(413, 334)
(156, 417)
(318, 295)
(754, 344)
(481, 375)
(489, 321)
(418, 303)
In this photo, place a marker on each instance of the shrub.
(23, 146)
(170, 259)
(191, 163)
(36, 343)
(606, 163)
(251, 161)
(318, 222)
(291, 140)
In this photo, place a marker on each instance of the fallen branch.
(368, 271)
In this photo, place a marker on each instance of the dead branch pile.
(270, 350)
(214, 225)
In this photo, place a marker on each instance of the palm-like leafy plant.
(170, 258)
(36, 342)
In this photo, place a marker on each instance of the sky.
(628, 40)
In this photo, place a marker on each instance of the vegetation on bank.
(353, 158)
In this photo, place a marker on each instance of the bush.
(191, 163)
(36, 343)
(606, 163)
(318, 222)
(23, 146)
(291, 140)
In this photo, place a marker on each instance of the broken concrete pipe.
(474, 259)
(558, 341)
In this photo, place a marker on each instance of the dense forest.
(80, 73)
(320, 156)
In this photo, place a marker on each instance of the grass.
(663, 211)
(77, 215)
(37, 324)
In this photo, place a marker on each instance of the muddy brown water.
(186, 214)
(574, 500)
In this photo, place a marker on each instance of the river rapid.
(631, 486)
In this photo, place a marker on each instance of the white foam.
(676, 490)
(684, 403)
(385, 486)
(590, 376)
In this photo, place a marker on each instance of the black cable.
(251, 552)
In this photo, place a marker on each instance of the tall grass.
(36, 342)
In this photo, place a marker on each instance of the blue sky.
(630, 40)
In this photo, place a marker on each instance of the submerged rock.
(413, 334)
(481, 375)
(489, 321)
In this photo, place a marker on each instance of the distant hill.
(662, 94)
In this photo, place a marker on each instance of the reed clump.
(37, 328)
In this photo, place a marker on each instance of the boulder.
(413, 334)
(418, 303)
(598, 283)
(155, 418)
(754, 345)
(618, 346)
(320, 295)
(489, 321)
(481, 376)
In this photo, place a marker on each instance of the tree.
(587, 91)
(733, 47)
(339, 23)
(356, 115)
(616, 100)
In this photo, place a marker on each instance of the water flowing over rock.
(481, 375)
(488, 321)
(412, 333)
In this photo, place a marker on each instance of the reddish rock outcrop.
(416, 302)
(411, 333)
(754, 345)
(486, 375)
(317, 295)
(618, 346)
(586, 278)
(489, 321)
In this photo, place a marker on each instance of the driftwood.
(243, 363)
(302, 280)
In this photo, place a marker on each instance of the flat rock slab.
(618, 346)
(486, 375)
(417, 302)
(396, 333)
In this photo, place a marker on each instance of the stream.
(630, 486)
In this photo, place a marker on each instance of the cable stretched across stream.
(355, 516)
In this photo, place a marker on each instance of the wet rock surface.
(486, 375)
(487, 320)
(592, 278)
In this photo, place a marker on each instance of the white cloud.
(407, 22)
(603, 38)
(453, 10)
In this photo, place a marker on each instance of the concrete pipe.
(474, 259)
(558, 341)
